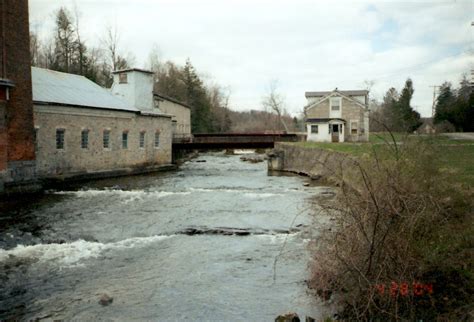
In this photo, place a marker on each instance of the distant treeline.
(454, 109)
(65, 50)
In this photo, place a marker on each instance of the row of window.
(61, 134)
(354, 128)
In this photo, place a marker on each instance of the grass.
(452, 155)
(419, 216)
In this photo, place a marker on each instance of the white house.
(337, 116)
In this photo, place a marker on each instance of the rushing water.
(199, 243)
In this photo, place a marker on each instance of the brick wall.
(19, 108)
(3, 138)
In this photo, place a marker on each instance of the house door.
(335, 133)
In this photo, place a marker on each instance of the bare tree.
(35, 47)
(81, 48)
(111, 42)
(275, 102)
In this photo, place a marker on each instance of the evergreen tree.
(409, 119)
(65, 41)
(444, 108)
(196, 97)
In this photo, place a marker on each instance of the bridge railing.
(209, 139)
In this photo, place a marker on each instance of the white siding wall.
(322, 135)
(138, 91)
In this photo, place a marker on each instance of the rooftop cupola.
(135, 86)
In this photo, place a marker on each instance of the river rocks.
(254, 158)
(288, 317)
(105, 299)
(292, 317)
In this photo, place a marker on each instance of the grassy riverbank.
(453, 156)
(403, 243)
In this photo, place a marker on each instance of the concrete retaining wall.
(314, 162)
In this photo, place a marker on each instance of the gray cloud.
(306, 45)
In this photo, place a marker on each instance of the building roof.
(347, 93)
(51, 87)
(171, 99)
(132, 70)
(324, 120)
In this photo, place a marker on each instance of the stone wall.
(181, 114)
(74, 159)
(313, 162)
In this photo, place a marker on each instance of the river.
(217, 240)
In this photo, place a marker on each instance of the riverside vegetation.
(402, 247)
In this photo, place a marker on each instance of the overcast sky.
(305, 45)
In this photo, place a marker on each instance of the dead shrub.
(389, 208)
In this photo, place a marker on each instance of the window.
(125, 140)
(314, 129)
(354, 127)
(85, 139)
(60, 139)
(106, 139)
(123, 78)
(142, 139)
(157, 139)
(335, 103)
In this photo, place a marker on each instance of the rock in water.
(288, 317)
(105, 299)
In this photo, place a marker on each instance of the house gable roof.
(347, 93)
(52, 87)
(335, 93)
(167, 98)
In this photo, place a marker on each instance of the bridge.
(217, 141)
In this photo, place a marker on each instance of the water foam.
(132, 195)
(72, 254)
(255, 195)
(245, 192)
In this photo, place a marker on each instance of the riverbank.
(401, 246)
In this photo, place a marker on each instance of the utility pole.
(435, 87)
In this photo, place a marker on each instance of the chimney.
(135, 86)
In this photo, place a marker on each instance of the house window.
(60, 133)
(125, 140)
(123, 78)
(314, 129)
(335, 103)
(142, 139)
(354, 127)
(106, 139)
(157, 139)
(85, 139)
